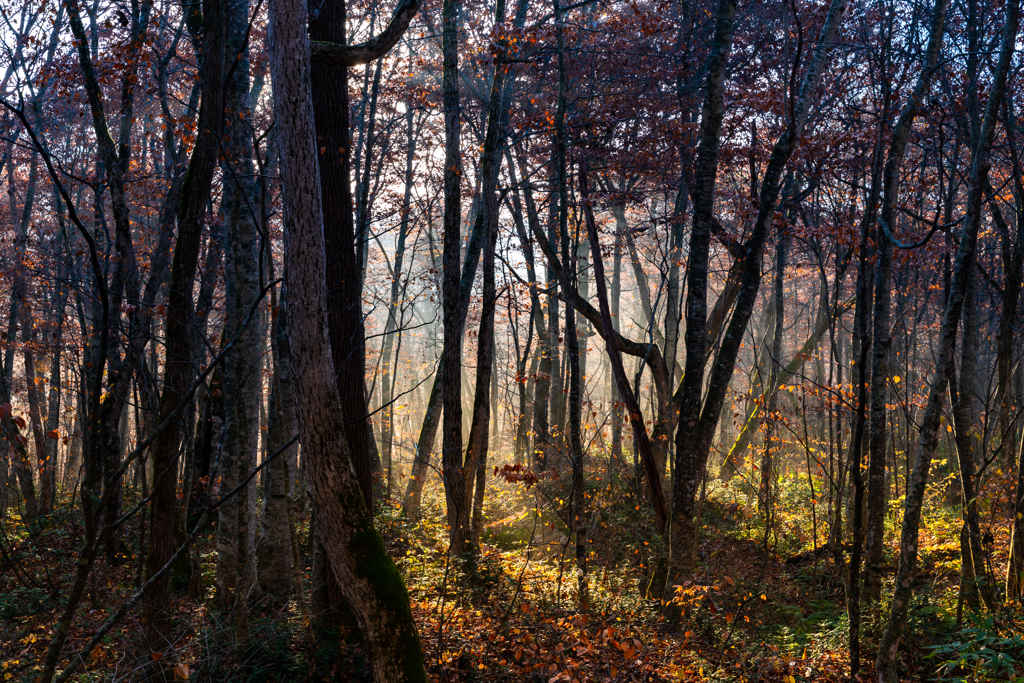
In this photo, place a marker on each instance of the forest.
(511, 340)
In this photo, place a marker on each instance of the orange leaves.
(629, 648)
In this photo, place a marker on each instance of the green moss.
(380, 571)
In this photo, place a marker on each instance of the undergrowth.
(746, 615)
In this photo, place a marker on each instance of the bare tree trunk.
(393, 324)
(345, 311)
(48, 473)
(569, 283)
(275, 558)
(451, 355)
(966, 421)
(772, 442)
(34, 415)
(616, 294)
(490, 163)
(885, 663)
(236, 576)
(356, 552)
(698, 419)
(629, 399)
(1013, 264)
(19, 460)
(432, 413)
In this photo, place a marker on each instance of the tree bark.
(885, 662)
(178, 333)
(345, 309)
(356, 552)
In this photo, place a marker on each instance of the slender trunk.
(616, 294)
(48, 471)
(35, 417)
(236, 576)
(885, 663)
(629, 398)
(432, 412)
(397, 290)
(490, 163)
(698, 419)
(275, 558)
(451, 355)
(963, 392)
(772, 442)
(569, 282)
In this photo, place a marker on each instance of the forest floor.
(748, 615)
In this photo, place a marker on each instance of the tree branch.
(375, 48)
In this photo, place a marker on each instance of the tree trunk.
(451, 354)
(885, 663)
(243, 384)
(433, 410)
(698, 419)
(345, 310)
(490, 163)
(356, 552)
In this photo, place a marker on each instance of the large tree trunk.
(344, 289)
(689, 464)
(356, 552)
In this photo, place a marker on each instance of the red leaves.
(517, 473)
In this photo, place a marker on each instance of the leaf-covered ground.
(748, 615)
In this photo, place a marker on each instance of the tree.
(356, 552)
